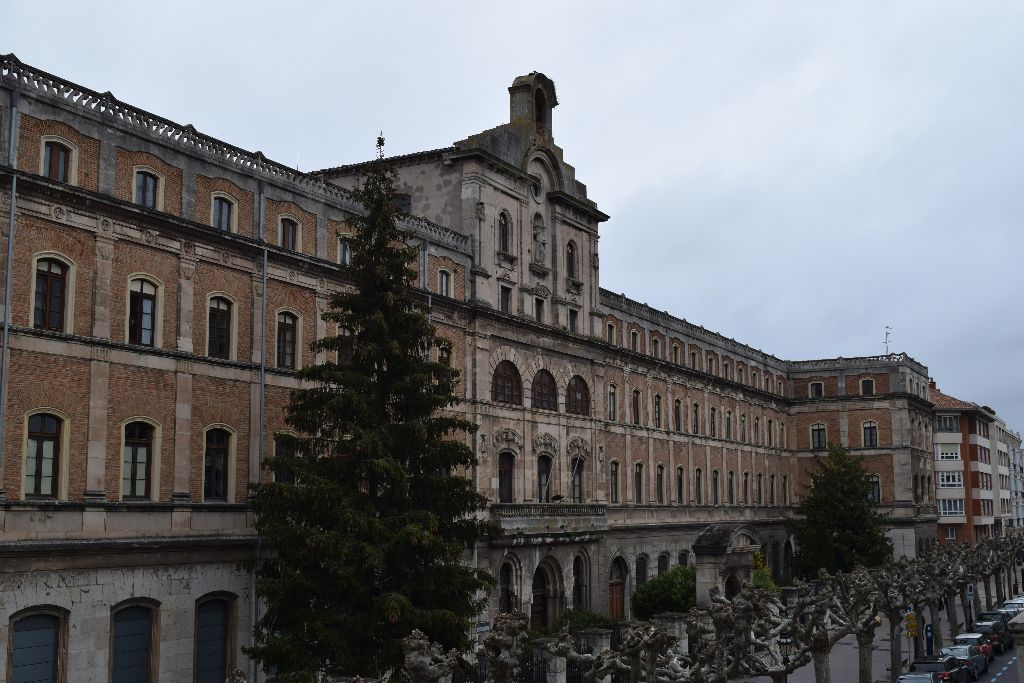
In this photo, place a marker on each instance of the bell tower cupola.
(531, 99)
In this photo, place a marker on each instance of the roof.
(397, 159)
(946, 402)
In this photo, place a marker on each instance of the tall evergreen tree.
(366, 544)
(839, 524)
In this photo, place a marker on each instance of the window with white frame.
(951, 480)
(950, 533)
(947, 423)
(951, 507)
(444, 283)
(816, 389)
(949, 451)
(344, 251)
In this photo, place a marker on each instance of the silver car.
(971, 656)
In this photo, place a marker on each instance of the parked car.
(1002, 617)
(1013, 607)
(923, 677)
(949, 669)
(1001, 639)
(979, 641)
(970, 656)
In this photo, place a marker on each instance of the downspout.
(263, 389)
(5, 354)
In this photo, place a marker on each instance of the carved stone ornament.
(189, 248)
(59, 212)
(187, 272)
(106, 226)
(480, 211)
(578, 446)
(595, 261)
(508, 438)
(225, 257)
(545, 442)
(100, 353)
(148, 236)
(321, 284)
(291, 275)
(542, 291)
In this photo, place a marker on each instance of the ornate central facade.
(166, 286)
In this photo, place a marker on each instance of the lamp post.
(785, 649)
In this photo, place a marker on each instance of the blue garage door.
(212, 641)
(133, 635)
(34, 649)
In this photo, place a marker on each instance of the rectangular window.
(146, 189)
(951, 480)
(951, 507)
(219, 328)
(949, 451)
(614, 482)
(947, 423)
(818, 436)
(444, 283)
(867, 387)
(950, 533)
(55, 161)
(505, 299)
(538, 309)
(286, 333)
(574, 320)
(816, 390)
(142, 313)
(611, 333)
(870, 435)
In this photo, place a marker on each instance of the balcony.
(563, 520)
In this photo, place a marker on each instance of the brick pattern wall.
(220, 401)
(30, 148)
(291, 297)
(124, 179)
(131, 258)
(236, 284)
(458, 278)
(274, 211)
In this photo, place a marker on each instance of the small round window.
(537, 188)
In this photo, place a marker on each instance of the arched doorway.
(506, 595)
(617, 590)
(539, 605)
(732, 587)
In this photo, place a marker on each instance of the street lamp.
(785, 649)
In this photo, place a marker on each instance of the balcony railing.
(527, 510)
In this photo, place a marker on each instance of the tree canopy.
(839, 524)
(365, 528)
(671, 591)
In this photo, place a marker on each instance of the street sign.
(929, 640)
(970, 590)
(911, 625)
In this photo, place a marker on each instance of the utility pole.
(888, 333)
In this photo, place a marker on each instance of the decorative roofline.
(16, 74)
(887, 359)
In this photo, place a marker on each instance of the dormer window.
(867, 387)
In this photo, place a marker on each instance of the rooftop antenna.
(888, 333)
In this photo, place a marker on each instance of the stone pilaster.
(182, 436)
(186, 304)
(96, 449)
(103, 264)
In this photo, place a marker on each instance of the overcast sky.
(796, 175)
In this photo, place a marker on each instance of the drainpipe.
(5, 355)
(263, 389)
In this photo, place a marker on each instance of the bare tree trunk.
(965, 606)
(1011, 588)
(977, 603)
(895, 645)
(988, 591)
(822, 674)
(933, 609)
(865, 640)
(954, 623)
(778, 678)
(998, 576)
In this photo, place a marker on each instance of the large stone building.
(164, 287)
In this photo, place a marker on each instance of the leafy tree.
(762, 576)
(365, 545)
(672, 591)
(839, 524)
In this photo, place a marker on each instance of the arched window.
(680, 487)
(636, 406)
(641, 570)
(731, 483)
(656, 348)
(746, 488)
(289, 237)
(613, 481)
(504, 233)
(782, 435)
(544, 479)
(757, 430)
(677, 415)
(285, 449)
(544, 391)
(506, 385)
(634, 341)
(663, 561)
(638, 483)
(771, 489)
(785, 490)
(51, 283)
(739, 375)
(870, 435)
(818, 440)
(136, 465)
(344, 251)
(684, 558)
(38, 647)
(696, 419)
(577, 494)
(218, 332)
(711, 365)
(693, 359)
(213, 640)
(577, 400)
(571, 261)
(506, 470)
(875, 492)
(131, 644)
(743, 428)
(42, 459)
(444, 283)
(580, 594)
(728, 424)
(660, 484)
(760, 489)
(675, 354)
(56, 161)
(657, 411)
(611, 402)
(725, 369)
(221, 214)
(215, 465)
(142, 318)
(713, 423)
(616, 589)
(287, 333)
(698, 486)
(771, 440)
(506, 594)
(715, 492)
